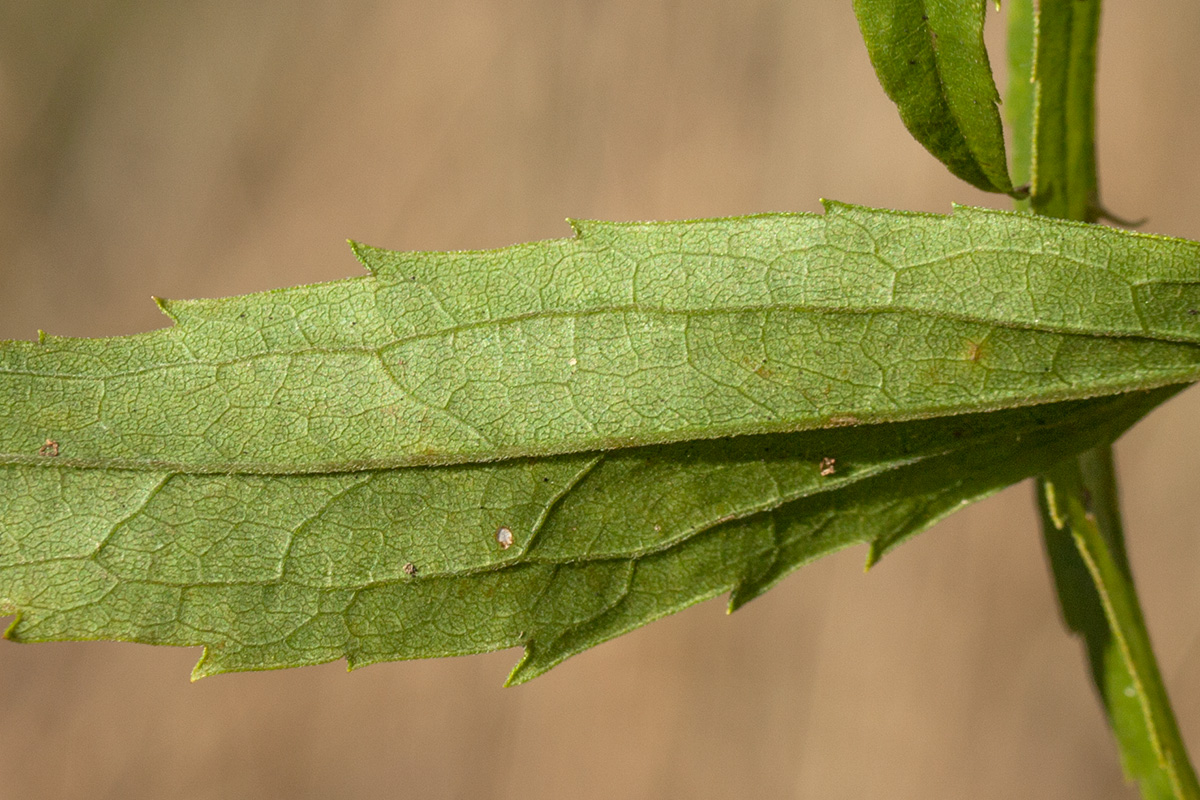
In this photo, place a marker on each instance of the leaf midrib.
(516, 319)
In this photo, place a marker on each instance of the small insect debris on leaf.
(504, 537)
(410, 568)
(49, 449)
(828, 466)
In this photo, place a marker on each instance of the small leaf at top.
(930, 58)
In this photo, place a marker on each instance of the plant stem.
(1082, 528)
(1052, 58)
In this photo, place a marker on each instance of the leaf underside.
(548, 445)
(277, 571)
(627, 335)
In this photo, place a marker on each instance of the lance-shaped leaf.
(269, 571)
(930, 58)
(627, 335)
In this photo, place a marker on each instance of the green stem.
(1123, 663)
(1051, 103)
(1064, 146)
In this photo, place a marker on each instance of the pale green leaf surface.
(587, 391)
(276, 571)
(930, 58)
(628, 334)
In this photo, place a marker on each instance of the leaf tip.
(167, 307)
(363, 253)
(6, 608)
(526, 669)
(874, 555)
(752, 587)
(834, 206)
(738, 598)
(204, 667)
(581, 227)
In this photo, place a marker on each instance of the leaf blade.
(931, 61)
(274, 571)
(617, 339)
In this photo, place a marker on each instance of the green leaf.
(930, 58)
(620, 425)
(278, 571)
(629, 334)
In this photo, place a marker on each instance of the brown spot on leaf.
(410, 568)
(49, 449)
(758, 366)
(828, 466)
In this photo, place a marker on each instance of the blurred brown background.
(202, 149)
